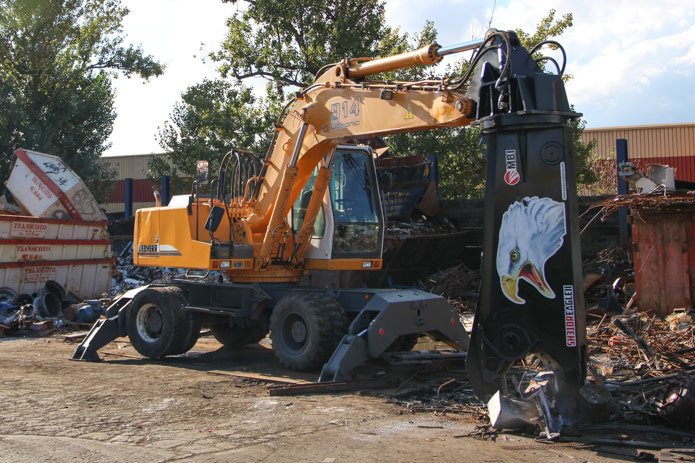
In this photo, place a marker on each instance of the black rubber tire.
(191, 325)
(155, 322)
(304, 330)
(236, 337)
(195, 324)
(339, 323)
(7, 295)
(23, 299)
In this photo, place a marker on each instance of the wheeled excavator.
(260, 239)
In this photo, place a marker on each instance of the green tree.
(57, 59)
(285, 43)
(548, 28)
(288, 42)
(213, 117)
(586, 175)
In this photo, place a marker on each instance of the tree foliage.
(57, 59)
(583, 154)
(213, 117)
(547, 28)
(288, 42)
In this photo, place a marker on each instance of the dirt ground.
(207, 406)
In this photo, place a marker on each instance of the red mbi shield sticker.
(511, 177)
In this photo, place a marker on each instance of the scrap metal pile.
(666, 201)
(399, 230)
(459, 285)
(43, 312)
(645, 362)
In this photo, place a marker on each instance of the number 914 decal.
(345, 114)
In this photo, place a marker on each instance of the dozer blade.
(389, 315)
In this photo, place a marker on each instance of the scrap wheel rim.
(149, 323)
(295, 332)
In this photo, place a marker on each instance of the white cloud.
(623, 56)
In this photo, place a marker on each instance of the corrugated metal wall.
(131, 166)
(669, 144)
(135, 167)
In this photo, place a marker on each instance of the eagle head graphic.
(532, 231)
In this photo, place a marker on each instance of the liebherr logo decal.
(156, 250)
(148, 249)
(511, 176)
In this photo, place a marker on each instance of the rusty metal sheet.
(53, 250)
(75, 254)
(664, 259)
(44, 186)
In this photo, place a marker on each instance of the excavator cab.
(351, 222)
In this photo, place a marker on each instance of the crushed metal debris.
(665, 201)
(459, 285)
(645, 362)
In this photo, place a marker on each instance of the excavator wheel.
(156, 325)
(305, 329)
(339, 322)
(235, 337)
(192, 323)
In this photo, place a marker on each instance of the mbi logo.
(511, 176)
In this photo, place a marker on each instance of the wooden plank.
(328, 387)
(260, 377)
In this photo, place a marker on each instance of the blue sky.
(632, 61)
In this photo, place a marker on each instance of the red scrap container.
(664, 258)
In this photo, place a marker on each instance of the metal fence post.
(621, 156)
(128, 199)
(166, 190)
